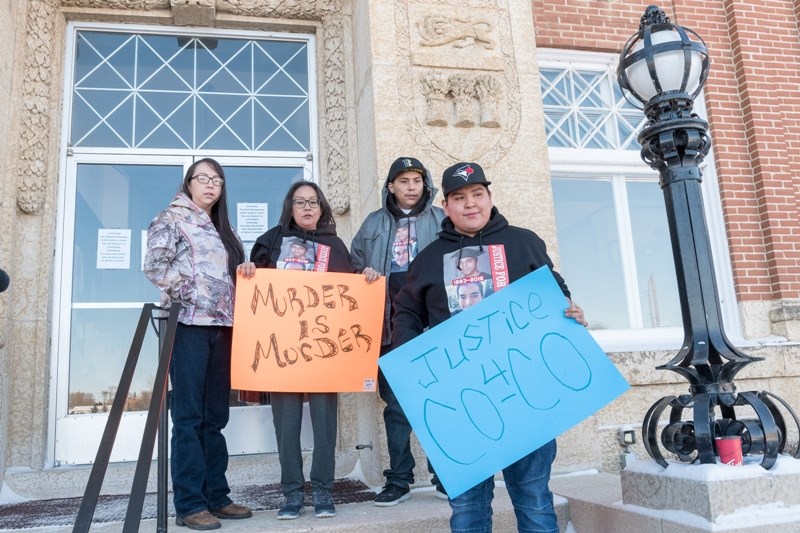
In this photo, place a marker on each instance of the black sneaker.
(392, 495)
(291, 506)
(323, 504)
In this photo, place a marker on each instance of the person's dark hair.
(219, 216)
(325, 218)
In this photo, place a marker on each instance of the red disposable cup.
(730, 450)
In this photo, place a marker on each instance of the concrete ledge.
(595, 506)
(710, 490)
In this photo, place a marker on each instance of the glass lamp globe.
(669, 67)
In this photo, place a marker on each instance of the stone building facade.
(442, 80)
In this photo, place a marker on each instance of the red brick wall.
(753, 103)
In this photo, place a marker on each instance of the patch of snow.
(589, 472)
(680, 517)
(9, 496)
(357, 473)
(759, 515)
(750, 516)
(785, 464)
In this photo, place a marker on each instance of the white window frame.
(588, 163)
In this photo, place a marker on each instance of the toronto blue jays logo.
(464, 172)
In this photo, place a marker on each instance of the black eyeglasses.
(300, 203)
(205, 178)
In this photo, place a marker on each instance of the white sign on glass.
(251, 220)
(113, 249)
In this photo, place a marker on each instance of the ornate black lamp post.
(664, 67)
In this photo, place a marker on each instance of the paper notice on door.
(251, 220)
(113, 249)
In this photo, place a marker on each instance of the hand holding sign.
(306, 332)
(498, 380)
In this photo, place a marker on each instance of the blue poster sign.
(499, 380)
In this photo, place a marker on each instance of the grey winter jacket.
(371, 247)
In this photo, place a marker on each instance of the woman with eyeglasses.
(306, 225)
(193, 255)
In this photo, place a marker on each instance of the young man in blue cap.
(474, 224)
(385, 245)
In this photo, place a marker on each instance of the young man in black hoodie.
(472, 225)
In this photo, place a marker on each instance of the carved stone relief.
(461, 91)
(193, 12)
(121, 5)
(437, 30)
(34, 139)
(460, 80)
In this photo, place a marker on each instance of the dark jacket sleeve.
(358, 253)
(340, 258)
(262, 251)
(410, 312)
(540, 258)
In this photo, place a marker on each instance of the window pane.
(117, 197)
(589, 249)
(658, 288)
(161, 91)
(126, 198)
(99, 343)
(585, 109)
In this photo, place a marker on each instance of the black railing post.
(163, 442)
(156, 417)
(166, 339)
(92, 492)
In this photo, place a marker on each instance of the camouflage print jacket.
(187, 261)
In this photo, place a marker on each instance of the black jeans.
(398, 435)
(398, 438)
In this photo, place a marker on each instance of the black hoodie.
(424, 301)
(326, 251)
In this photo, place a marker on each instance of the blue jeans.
(527, 484)
(200, 372)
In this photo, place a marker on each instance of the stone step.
(595, 506)
(422, 513)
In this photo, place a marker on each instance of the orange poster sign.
(297, 331)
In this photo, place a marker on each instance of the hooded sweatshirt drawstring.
(461, 248)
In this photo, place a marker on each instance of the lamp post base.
(693, 440)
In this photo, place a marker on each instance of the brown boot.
(232, 511)
(201, 521)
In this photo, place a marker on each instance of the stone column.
(28, 218)
(416, 75)
(446, 85)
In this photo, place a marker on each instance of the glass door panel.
(259, 190)
(112, 206)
